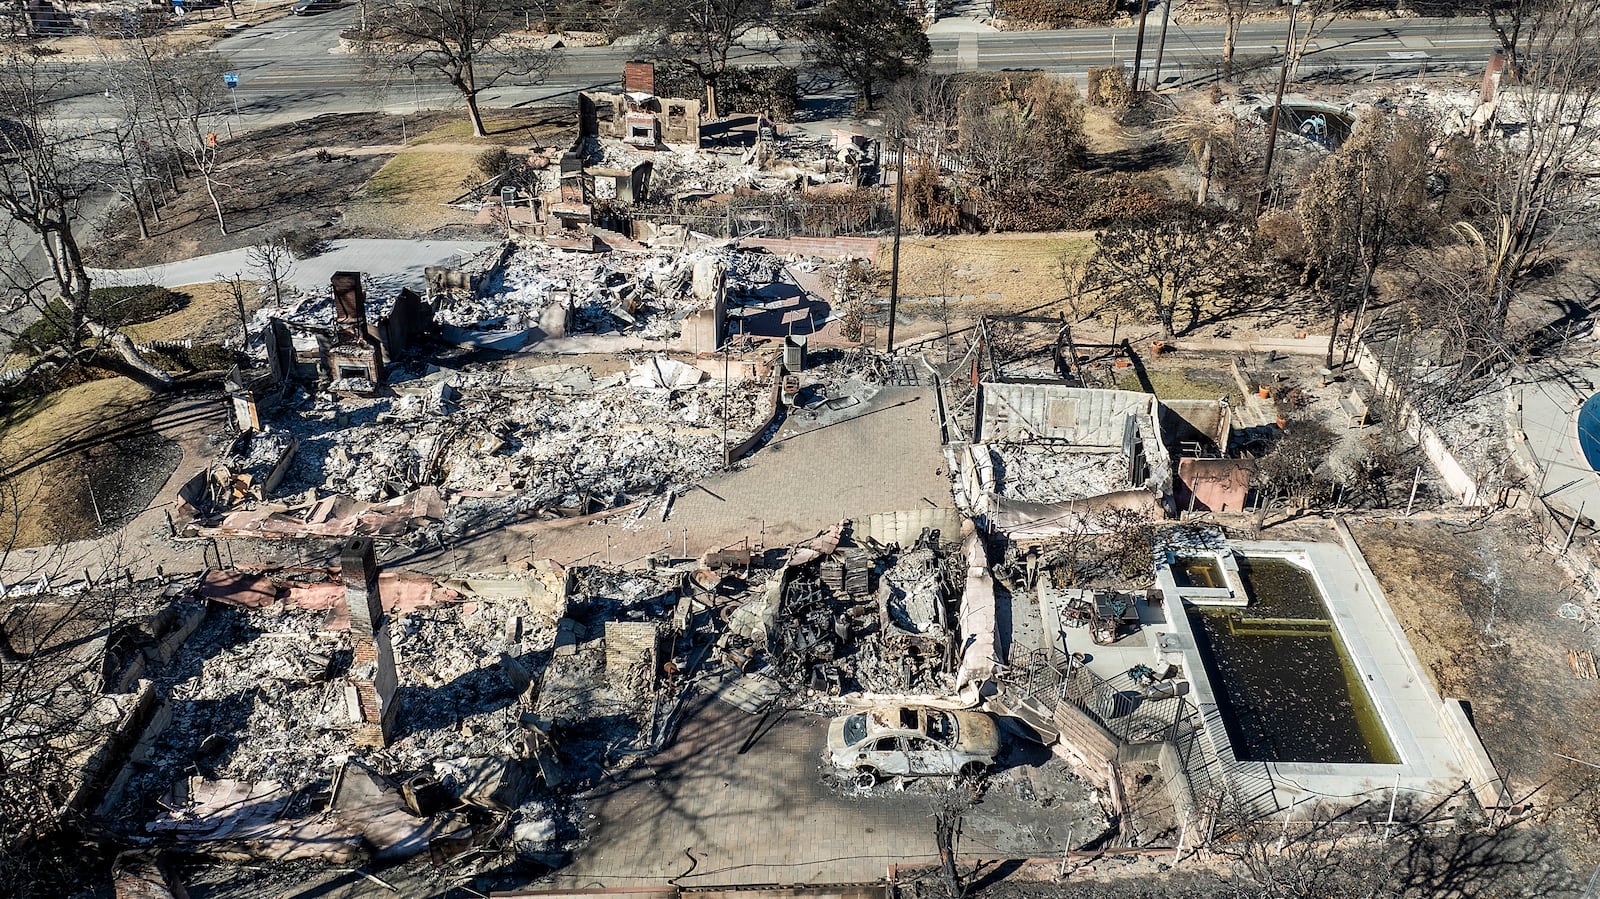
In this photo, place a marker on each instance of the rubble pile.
(646, 294)
(263, 450)
(560, 447)
(256, 695)
(852, 618)
(778, 165)
(472, 661)
(1042, 473)
(914, 593)
(603, 692)
(259, 695)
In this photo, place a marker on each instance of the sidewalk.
(390, 264)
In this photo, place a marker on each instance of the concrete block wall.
(1487, 784)
(626, 641)
(1085, 742)
(1462, 483)
(826, 247)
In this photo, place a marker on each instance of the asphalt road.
(292, 68)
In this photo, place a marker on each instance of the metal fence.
(1115, 703)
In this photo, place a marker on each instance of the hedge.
(113, 307)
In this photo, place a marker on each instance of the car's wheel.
(973, 770)
(866, 777)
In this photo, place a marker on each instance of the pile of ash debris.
(1045, 473)
(509, 693)
(558, 437)
(851, 615)
(645, 294)
(789, 164)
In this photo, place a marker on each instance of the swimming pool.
(1285, 685)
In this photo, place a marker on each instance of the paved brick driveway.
(770, 815)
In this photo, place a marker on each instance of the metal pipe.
(894, 265)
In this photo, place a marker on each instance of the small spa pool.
(1198, 571)
(1283, 681)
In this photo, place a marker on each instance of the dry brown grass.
(209, 315)
(51, 448)
(408, 194)
(998, 272)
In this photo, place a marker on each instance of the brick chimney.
(349, 302)
(372, 683)
(639, 77)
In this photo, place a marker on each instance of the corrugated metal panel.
(1077, 415)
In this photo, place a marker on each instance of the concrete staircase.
(981, 10)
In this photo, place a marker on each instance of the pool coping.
(1402, 695)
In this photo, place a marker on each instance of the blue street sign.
(230, 79)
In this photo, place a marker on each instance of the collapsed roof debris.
(849, 614)
(264, 719)
(644, 294)
(554, 443)
(1048, 474)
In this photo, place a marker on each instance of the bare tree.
(172, 100)
(947, 815)
(1312, 19)
(237, 287)
(130, 82)
(1212, 137)
(1506, 18)
(43, 177)
(271, 262)
(1293, 468)
(926, 109)
(870, 42)
(200, 109)
(1363, 205)
(1021, 139)
(55, 652)
(1177, 262)
(453, 39)
(1233, 12)
(703, 35)
(1529, 196)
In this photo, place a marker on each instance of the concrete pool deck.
(1437, 747)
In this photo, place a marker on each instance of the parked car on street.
(912, 741)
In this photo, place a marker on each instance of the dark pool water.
(1284, 683)
(1197, 571)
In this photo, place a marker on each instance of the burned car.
(915, 741)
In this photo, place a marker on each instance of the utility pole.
(1277, 107)
(894, 264)
(1161, 44)
(1138, 44)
